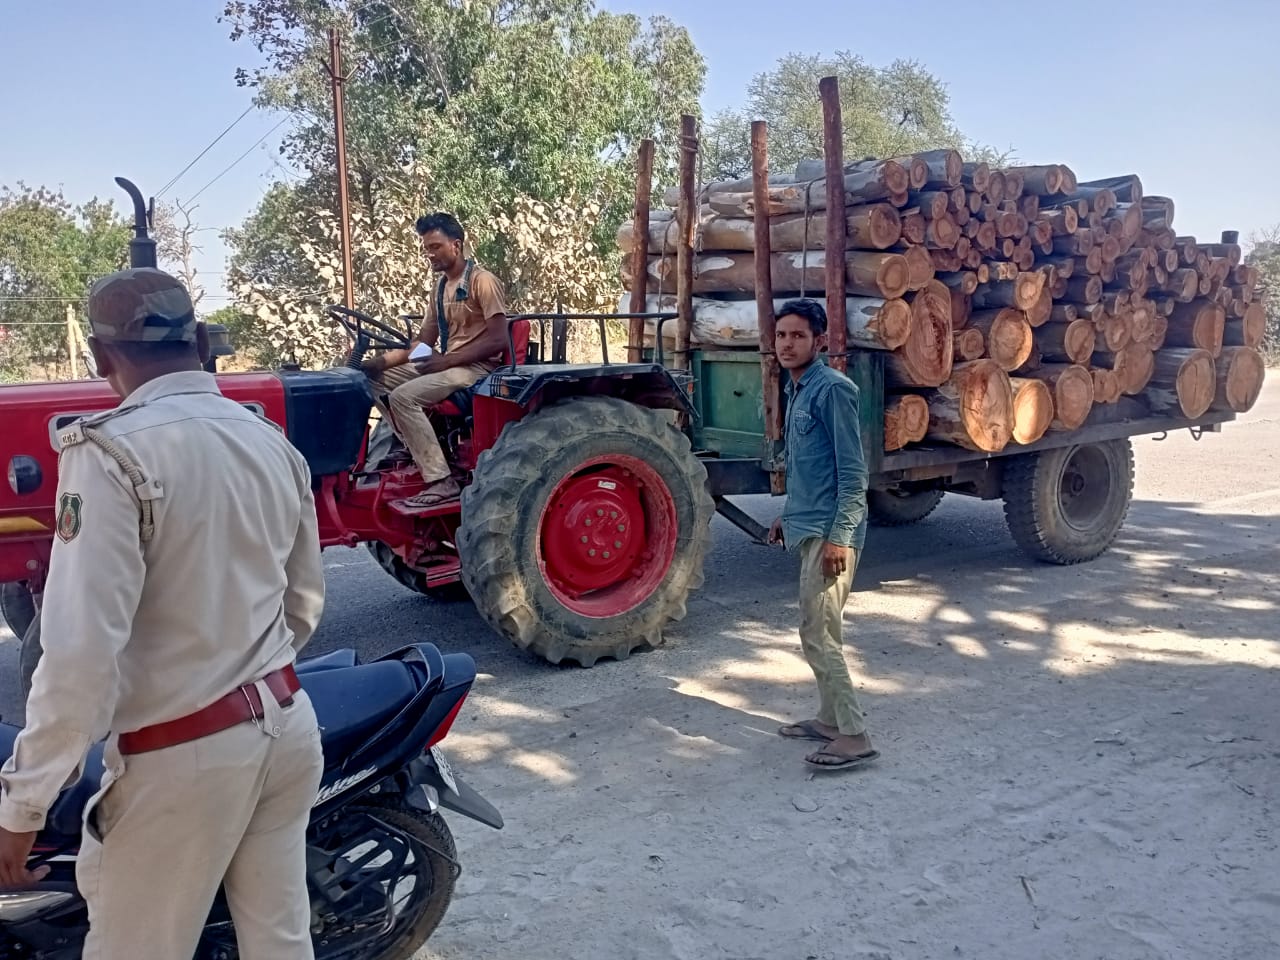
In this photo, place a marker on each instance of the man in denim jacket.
(825, 521)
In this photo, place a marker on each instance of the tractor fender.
(644, 384)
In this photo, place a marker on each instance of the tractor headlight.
(25, 475)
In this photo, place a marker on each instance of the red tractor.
(583, 521)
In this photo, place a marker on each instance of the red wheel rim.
(607, 536)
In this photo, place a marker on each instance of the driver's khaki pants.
(172, 825)
(411, 392)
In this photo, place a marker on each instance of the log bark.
(882, 181)
(871, 323)
(1183, 285)
(1072, 387)
(868, 274)
(976, 175)
(1127, 188)
(874, 226)
(1041, 310)
(1032, 409)
(1009, 338)
(1239, 372)
(961, 308)
(1072, 342)
(1184, 383)
(946, 167)
(1250, 330)
(974, 408)
(968, 344)
(1043, 181)
(966, 281)
(1231, 251)
(906, 420)
(1087, 289)
(1021, 292)
(1064, 313)
(1197, 324)
(925, 360)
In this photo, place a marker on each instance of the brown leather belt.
(241, 704)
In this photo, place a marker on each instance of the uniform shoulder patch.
(70, 507)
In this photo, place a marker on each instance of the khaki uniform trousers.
(822, 601)
(410, 391)
(171, 825)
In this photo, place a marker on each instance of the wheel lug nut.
(584, 539)
(587, 522)
(591, 553)
(622, 528)
(613, 514)
(606, 554)
(617, 544)
(599, 513)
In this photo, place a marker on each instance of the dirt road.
(1077, 762)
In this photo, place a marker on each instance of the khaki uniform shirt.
(466, 318)
(229, 587)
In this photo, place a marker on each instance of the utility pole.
(336, 80)
(71, 340)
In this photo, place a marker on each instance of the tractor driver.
(471, 343)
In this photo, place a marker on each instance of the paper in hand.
(420, 352)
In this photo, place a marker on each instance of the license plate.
(446, 771)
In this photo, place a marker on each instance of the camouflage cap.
(142, 305)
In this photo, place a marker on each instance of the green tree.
(887, 112)
(479, 107)
(50, 252)
(1265, 255)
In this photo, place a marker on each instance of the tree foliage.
(887, 112)
(50, 253)
(1265, 255)
(479, 107)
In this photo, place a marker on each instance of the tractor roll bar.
(600, 318)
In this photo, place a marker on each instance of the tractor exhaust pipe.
(142, 248)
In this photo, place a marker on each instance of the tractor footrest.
(403, 509)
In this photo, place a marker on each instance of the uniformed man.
(472, 340)
(184, 579)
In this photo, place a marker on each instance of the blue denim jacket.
(826, 471)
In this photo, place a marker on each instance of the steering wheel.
(355, 323)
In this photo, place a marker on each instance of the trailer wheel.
(898, 507)
(17, 606)
(1067, 505)
(584, 529)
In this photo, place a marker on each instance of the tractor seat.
(459, 402)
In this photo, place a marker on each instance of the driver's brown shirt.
(466, 318)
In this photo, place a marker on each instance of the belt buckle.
(253, 712)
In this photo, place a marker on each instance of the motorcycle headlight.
(25, 475)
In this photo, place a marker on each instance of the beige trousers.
(822, 601)
(170, 826)
(410, 393)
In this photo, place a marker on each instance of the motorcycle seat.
(351, 703)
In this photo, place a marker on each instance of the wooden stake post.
(688, 220)
(639, 287)
(769, 369)
(833, 149)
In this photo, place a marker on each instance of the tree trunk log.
(1240, 371)
(1032, 409)
(995, 187)
(946, 167)
(1127, 188)
(976, 175)
(1106, 385)
(1066, 342)
(974, 408)
(1043, 181)
(1008, 336)
(1021, 292)
(1184, 383)
(1248, 331)
(920, 269)
(961, 307)
(1086, 289)
(968, 344)
(1072, 387)
(868, 274)
(1139, 367)
(925, 360)
(1198, 324)
(1041, 310)
(1064, 313)
(906, 420)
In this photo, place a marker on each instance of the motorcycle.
(381, 863)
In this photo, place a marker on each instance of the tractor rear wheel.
(584, 529)
(411, 578)
(900, 506)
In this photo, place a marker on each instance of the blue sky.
(1186, 94)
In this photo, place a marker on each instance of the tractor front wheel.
(584, 530)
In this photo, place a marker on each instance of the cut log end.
(925, 360)
(906, 420)
(1240, 372)
(974, 408)
(1032, 409)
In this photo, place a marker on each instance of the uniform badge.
(69, 506)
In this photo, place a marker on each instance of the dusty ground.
(1077, 762)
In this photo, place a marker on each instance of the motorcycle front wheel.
(381, 875)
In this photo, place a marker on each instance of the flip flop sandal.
(810, 732)
(423, 500)
(843, 763)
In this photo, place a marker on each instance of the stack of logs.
(1010, 302)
